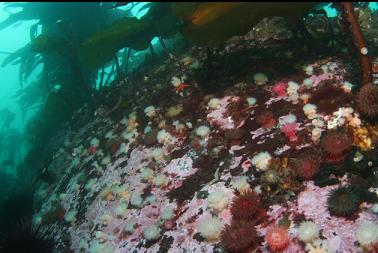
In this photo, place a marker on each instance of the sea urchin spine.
(367, 100)
(247, 206)
(306, 167)
(343, 202)
(240, 236)
(336, 146)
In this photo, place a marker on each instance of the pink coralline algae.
(280, 89)
(178, 170)
(219, 116)
(290, 131)
(246, 164)
(235, 162)
(337, 75)
(276, 212)
(312, 202)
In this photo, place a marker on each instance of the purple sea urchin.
(343, 202)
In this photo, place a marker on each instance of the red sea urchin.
(240, 236)
(277, 238)
(367, 100)
(336, 146)
(266, 119)
(247, 206)
(307, 166)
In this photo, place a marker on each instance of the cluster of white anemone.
(316, 133)
(251, 101)
(292, 91)
(261, 161)
(308, 231)
(307, 82)
(152, 232)
(218, 201)
(310, 111)
(343, 115)
(214, 103)
(308, 69)
(260, 78)
(240, 183)
(150, 111)
(203, 131)
(367, 234)
(164, 137)
(210, 228)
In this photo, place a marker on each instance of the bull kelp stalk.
(171, 57)
(359, 41)
(127, 59)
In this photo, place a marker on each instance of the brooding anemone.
(240, 236)
(343, 202)
(247, 206)
(26, 238)
(336, 146)
(367, 100)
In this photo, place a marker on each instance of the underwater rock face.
(192, 127)
(122, 195)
